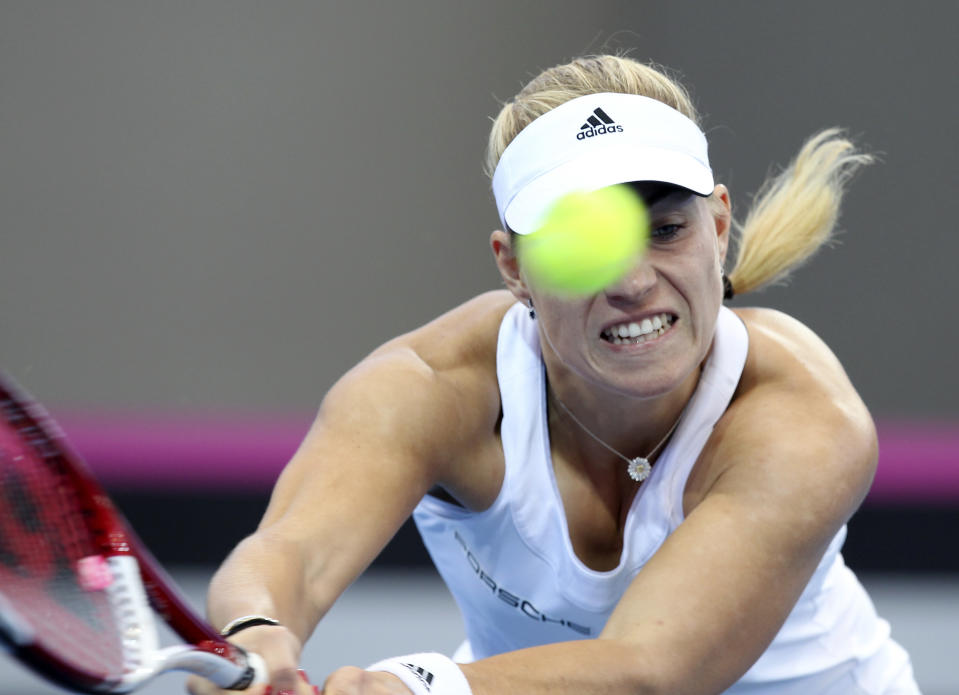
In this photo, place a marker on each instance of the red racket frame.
(112, 535)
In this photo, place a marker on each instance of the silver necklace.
(638, 468)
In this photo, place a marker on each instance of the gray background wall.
(224, 204)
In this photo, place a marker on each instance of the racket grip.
(256, 672)
(261, 673)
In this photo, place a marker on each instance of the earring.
(532, 311)
(728, 291)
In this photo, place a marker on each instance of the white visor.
(592, 142)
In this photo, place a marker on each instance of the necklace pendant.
(639, 469)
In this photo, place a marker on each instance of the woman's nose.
(635, 284)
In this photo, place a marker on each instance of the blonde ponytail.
(794, 214)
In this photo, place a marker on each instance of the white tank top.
(518, 583)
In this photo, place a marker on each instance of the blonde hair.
(792, 216)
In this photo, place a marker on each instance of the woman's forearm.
(588, 667)
(266, 575)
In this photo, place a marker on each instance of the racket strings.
(44, 541)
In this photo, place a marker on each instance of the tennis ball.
(586, 242)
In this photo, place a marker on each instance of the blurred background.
(210, 210)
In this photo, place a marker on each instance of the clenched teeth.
(638, 332)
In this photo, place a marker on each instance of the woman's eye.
(665, 232)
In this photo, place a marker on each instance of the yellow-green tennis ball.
(586, 242)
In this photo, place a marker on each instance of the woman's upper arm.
(796, 457)
(384, 434)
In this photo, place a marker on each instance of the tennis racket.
(79, 593)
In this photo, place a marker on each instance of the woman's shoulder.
(434, 389)
(441, 381)
(794, 404)
(463, 337)
(790, 364)
(783, 351)
(439, 368)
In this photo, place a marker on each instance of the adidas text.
(601, 130)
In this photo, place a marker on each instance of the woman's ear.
(505, 255)
(722, 217)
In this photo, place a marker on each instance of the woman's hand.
(280, 649)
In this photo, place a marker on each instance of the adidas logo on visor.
(599, 123)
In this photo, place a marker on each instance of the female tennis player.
(638, 491)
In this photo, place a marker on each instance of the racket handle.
(260, 672)
(255, 673)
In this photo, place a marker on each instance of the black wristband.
(234, 626)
